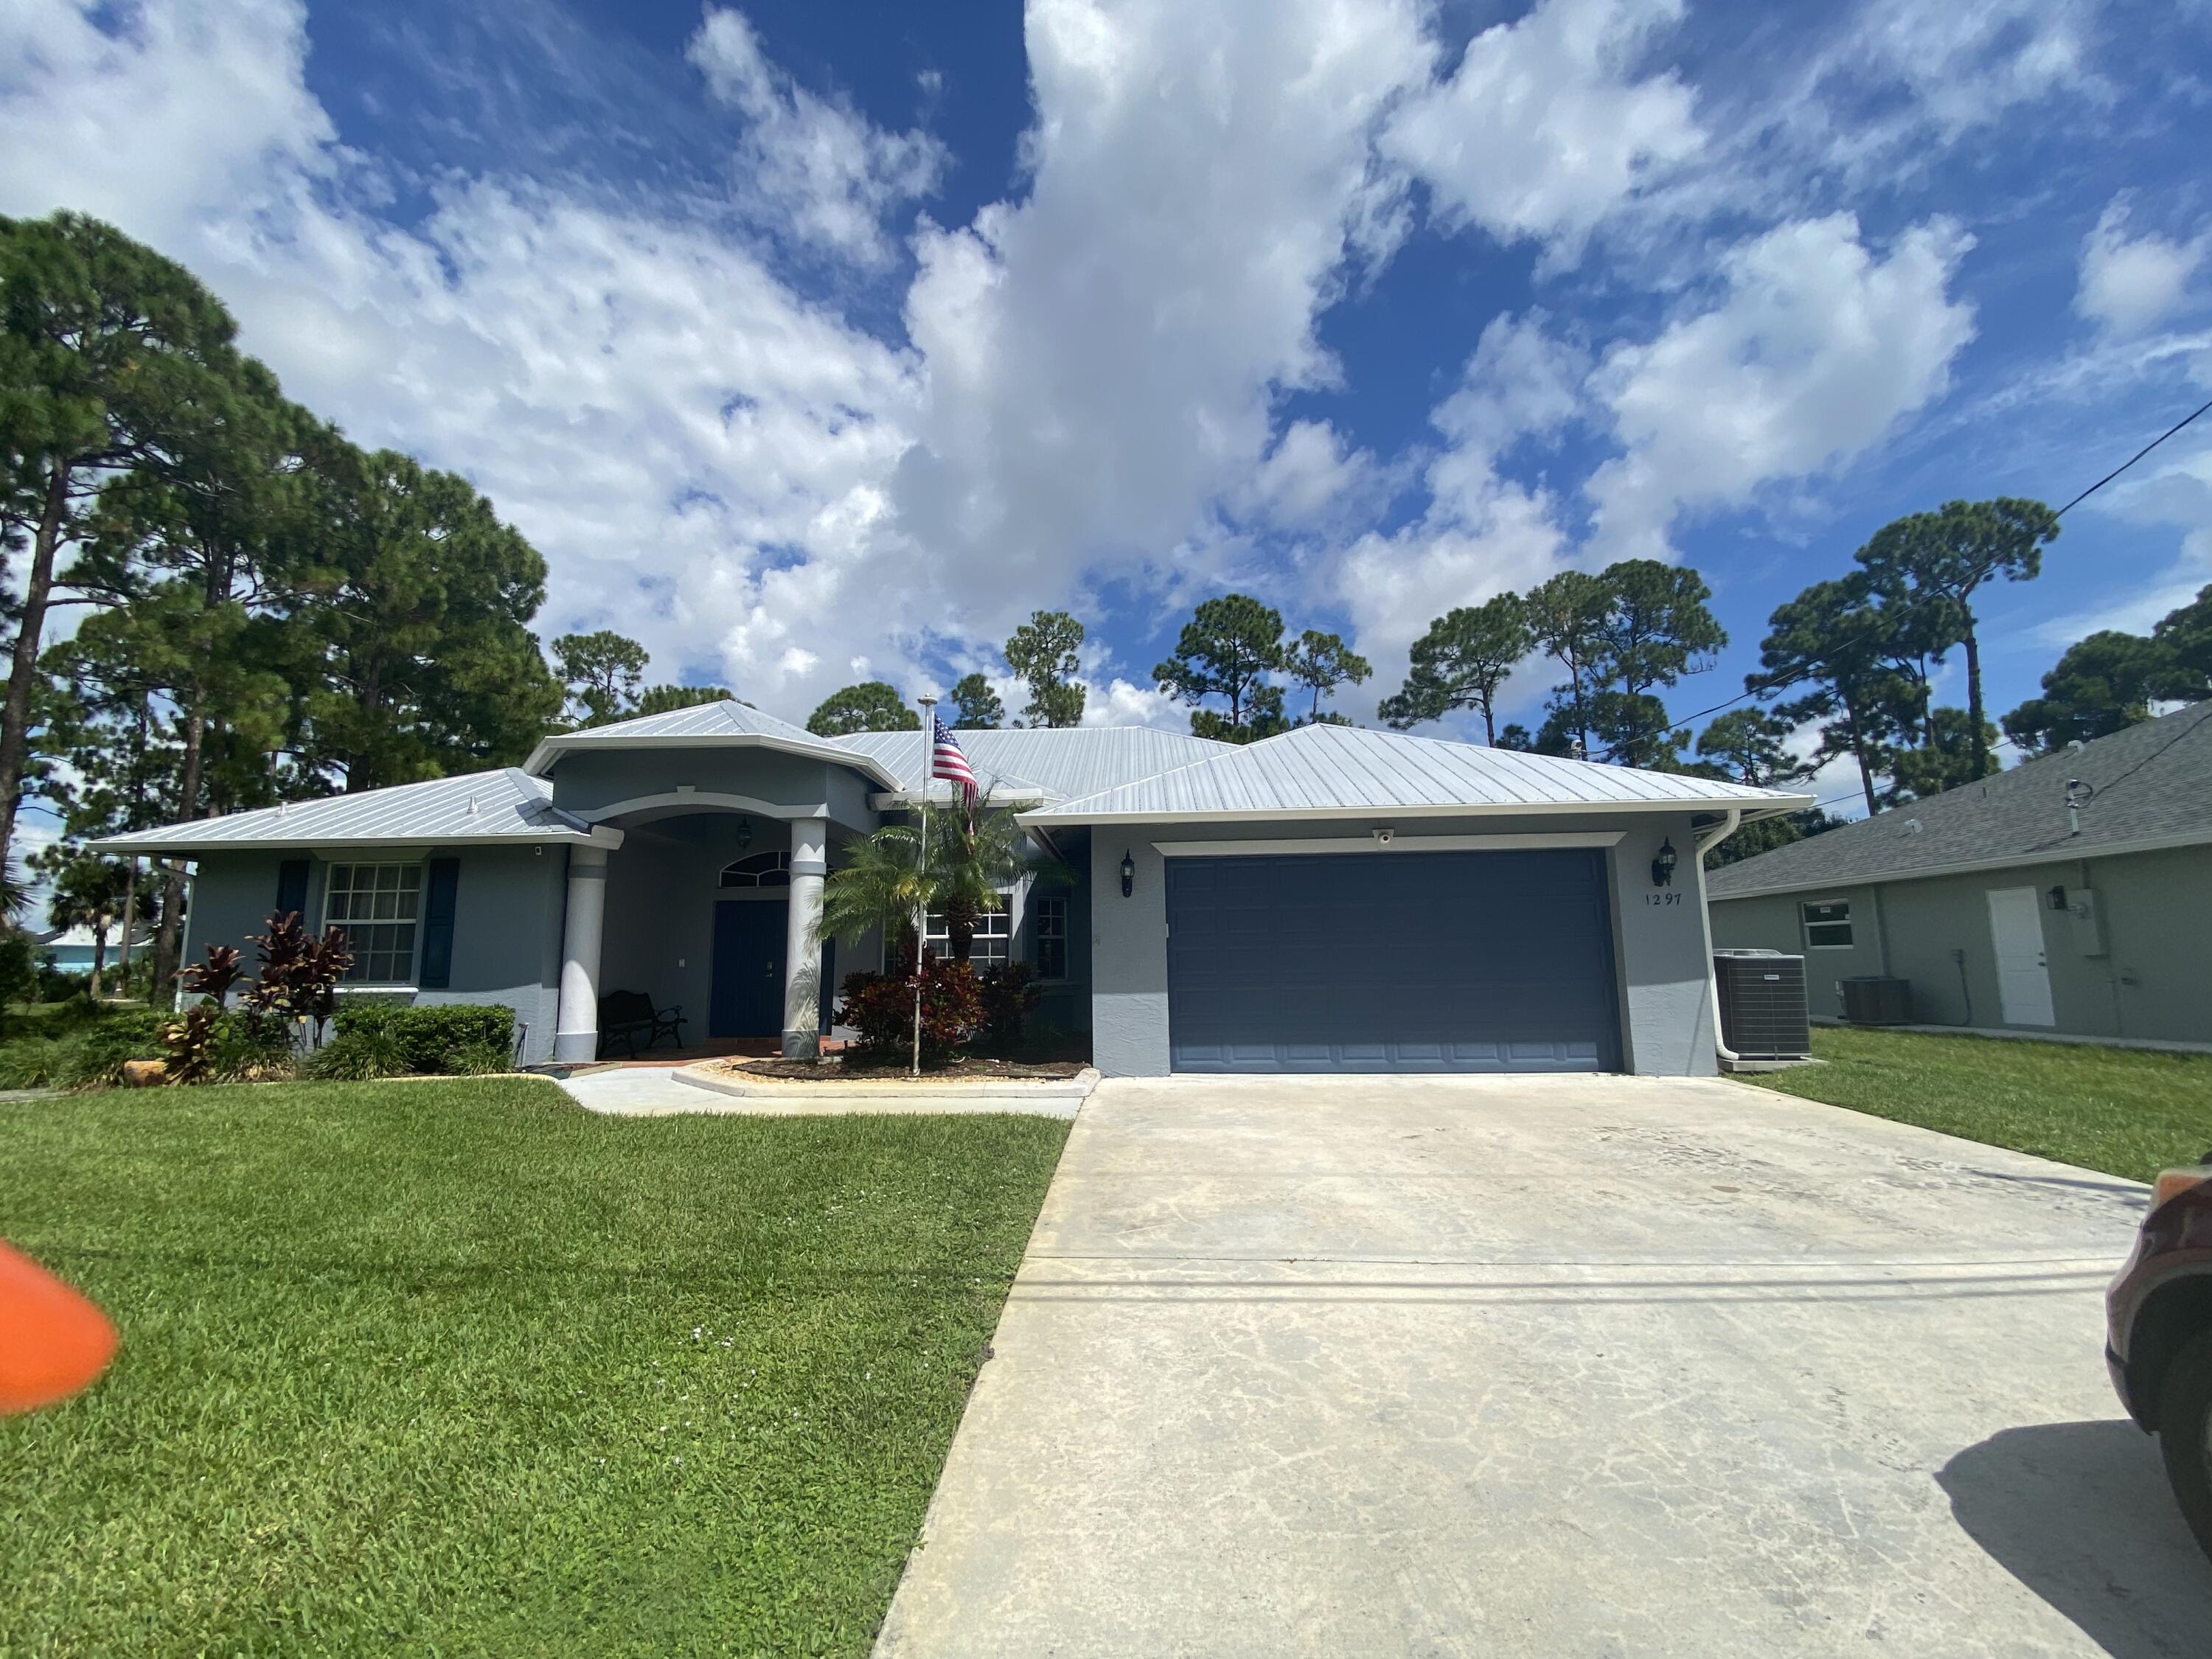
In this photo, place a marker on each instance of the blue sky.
(812, 340)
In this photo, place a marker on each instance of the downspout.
(1712, 838)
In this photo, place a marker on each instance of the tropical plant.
(884, 881)
(1010, 996)
(89, 891)
(974, 857)
(881, 1008)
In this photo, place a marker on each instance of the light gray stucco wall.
(1660, 958)
(507, 924)
(587, 781)
(2150, 983)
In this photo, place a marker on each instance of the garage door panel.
(1391, 961)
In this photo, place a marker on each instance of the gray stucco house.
(1331, 899)
(2069, 895)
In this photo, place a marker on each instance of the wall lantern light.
(744, 832)
(1128, 875)
(1662, 865)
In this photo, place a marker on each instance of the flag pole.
(921, 868)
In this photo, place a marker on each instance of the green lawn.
(458, 1368)
(2125, 1111)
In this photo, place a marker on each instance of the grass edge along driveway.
(461, 1368)
(2127, 1112)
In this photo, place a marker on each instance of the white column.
(576, 1032)
(802, 949)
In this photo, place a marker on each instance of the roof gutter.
(1768, 807)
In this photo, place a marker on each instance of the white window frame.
(1806, 924)
(1043, 934)
(408, 898)
(994, 935)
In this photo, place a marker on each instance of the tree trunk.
(172, 889)
(130, 920)
(1858, 752)
(1978, 748)
(15, 716)
(1489, 726)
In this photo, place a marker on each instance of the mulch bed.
(836, 1068)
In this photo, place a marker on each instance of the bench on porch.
(629, 1017)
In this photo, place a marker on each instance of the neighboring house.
(71, 948)
(1328, 899)
(2005, 908)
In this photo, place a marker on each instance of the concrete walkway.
(1551, 1366)
(657, 1091)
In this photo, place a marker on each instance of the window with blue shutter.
(438, 903)
(292, 889)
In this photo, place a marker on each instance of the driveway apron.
(1549, 1366)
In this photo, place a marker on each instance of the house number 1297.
(1662, 898)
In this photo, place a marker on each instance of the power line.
(1783, 682)
(2131, 461)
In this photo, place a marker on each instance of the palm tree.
(882, 883)
(976, 857)
(88, 893)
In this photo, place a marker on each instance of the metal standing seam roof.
(2153, 788)
(727, 724)
(506, 804)
(1319, 770)
(1056, 762)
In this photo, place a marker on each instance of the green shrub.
(1010, 997)
(255, 1048)
(361, 1056)
(97, 1053)
(19, 964)
(477, 1060)
(33, 1062)
(427, 1034)
(880, 1008)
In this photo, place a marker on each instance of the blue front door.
(747, 1000)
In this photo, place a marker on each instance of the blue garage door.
(1392, 962)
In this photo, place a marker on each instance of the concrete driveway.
(1549, 1366)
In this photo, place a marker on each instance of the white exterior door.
(2023, 975)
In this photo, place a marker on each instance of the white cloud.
(2131, 284)
(1104, 356)
(1119, 702)
(1482, 534)
(1817, 347)
(822, 167)
(1309, 478)
(1545, 127)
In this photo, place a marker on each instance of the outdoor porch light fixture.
(1128, 875)
(744, 831)
(1662, 865)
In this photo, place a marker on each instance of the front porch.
(716, 911)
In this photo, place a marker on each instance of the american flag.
(947, 762)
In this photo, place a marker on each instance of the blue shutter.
(438, 924)
(292, 889)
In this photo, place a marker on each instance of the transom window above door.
(761, 869)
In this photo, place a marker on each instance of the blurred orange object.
(53, 1342)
